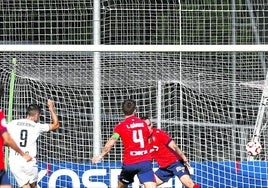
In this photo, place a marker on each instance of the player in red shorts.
(137, 159)
(5, 139)
(170, 158)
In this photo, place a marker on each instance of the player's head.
(147, 121)
(1, 89)
(129, 107)
(33, 112)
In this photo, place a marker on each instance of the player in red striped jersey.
(170, 158)
(6, 139)
(137, 160)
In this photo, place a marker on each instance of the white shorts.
(24, 172)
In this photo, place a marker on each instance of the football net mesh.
(207, 101)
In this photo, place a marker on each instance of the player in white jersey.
(26, 132)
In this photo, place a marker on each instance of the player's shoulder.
(12, 122)
(23, 123)
(131, 119)
(120, 123)
(17, 120)
(119, 126)
(2, 113)
(159, 131)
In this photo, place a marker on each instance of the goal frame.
(97, 48)
(135, 48)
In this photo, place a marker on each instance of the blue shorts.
(144, 171)
(175, 169)
(4, 180)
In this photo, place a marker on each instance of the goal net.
(210, 102)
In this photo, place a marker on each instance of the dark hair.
(1, 89)
(128, 107)
(145, 118)
(33, 109)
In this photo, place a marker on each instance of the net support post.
(159, 88)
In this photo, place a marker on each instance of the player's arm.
(107, 147)
(12, 144)
(55, 121)
(174, 147)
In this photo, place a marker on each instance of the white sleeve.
(10, 125)
(43, 127)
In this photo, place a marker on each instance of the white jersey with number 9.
(25, 133)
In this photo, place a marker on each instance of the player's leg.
(34, 185)
(19, 175)
(182, 172)
(187, 181)
(162, 175)
(5, 186)
(190, 185)
(146, 174)
(25, 173)
(31, 170)
(26, 186)
(158, 181)
(126, 176)
(122, 185)
(149, 185)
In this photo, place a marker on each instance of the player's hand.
(27, 157)
(187, 164)
(50, 104)
(96, 159)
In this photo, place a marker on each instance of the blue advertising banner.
(229, 174)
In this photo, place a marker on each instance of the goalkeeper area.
(83, 55)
